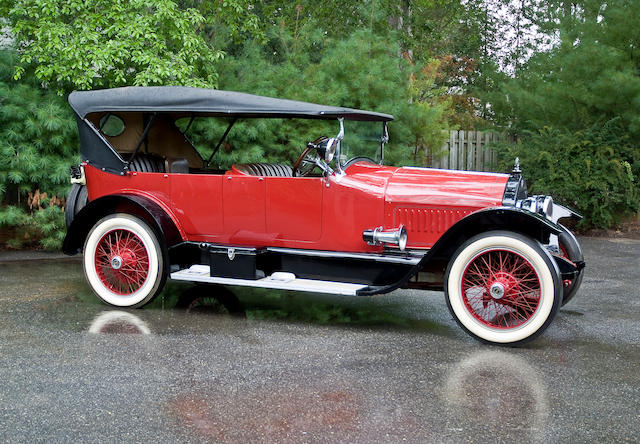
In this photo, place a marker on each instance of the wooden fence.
(467, 150)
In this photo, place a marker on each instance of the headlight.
(537, 204)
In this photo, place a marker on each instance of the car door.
(197, 202)
(294, 209)
(243, 201)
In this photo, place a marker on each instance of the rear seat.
(177, 165)
(264, 169)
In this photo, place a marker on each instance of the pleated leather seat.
(265, 169)
(147, 163)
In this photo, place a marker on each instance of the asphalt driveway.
(202, 364)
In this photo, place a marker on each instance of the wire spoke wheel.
(123, 261)
(501, 289)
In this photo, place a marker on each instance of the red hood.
(410, 186)
(428, 201)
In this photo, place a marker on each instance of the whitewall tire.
(503, 287)
(123, 261)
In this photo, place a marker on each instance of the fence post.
(468, 151)
(486, 153)
(479, 164)
(453, 153)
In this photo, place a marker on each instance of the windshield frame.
(384, 138)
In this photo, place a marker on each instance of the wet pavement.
(207, 365)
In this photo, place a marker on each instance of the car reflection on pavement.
(485, 395)
(118, 322)
(488, 393)
(493, 391)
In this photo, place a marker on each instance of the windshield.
(361, 139)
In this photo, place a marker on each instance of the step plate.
(200, 273)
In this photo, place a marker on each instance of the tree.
(360, 72)
(38, 142)
(590, 76)
(85, 44)
(585, 92)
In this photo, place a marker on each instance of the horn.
(378, 236)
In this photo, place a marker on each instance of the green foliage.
(85, 44)
(589, 77)
(38, 142)
(596, 171)
(238, 19)
(577, 106)
(360, 72)
(42, 227)
(49, 224)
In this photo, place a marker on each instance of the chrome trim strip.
(409, 260)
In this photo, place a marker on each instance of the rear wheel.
(123, 261)
(502, 287)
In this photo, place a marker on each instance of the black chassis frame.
(382, 273)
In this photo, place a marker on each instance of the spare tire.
(76, 200)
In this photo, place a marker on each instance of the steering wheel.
(358, 159)
(306, 163)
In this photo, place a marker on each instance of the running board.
(278, 280)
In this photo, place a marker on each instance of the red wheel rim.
(501, 289)
(122, 261)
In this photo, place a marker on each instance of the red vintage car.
(146, 205)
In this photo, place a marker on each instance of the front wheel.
(503, 288)
(123, 261)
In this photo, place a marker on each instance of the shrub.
(595, 171)
(38, 142)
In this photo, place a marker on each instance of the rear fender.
(148, 210)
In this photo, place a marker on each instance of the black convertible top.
(207, 102)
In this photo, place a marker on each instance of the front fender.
(166, 229)
(498, 218)
(489, 219)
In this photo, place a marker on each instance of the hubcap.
(497, 290)
(116, 262)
